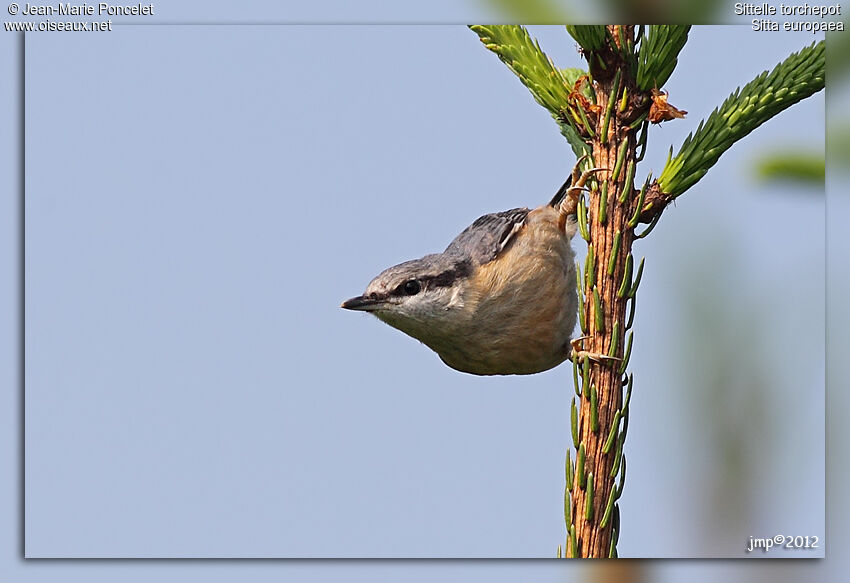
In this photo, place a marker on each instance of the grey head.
(413, 295)
(419, 297)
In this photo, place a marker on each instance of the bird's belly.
(524, 310)
(510, 343)
(528, 355)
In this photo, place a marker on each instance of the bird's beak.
(362, 303)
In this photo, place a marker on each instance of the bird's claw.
(578, 354)
(577, 182)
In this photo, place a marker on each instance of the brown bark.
(591, 538)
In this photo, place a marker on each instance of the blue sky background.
(197, 211)
(194, 390)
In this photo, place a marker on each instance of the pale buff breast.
(519, 309)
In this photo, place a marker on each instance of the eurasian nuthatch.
(501, 299)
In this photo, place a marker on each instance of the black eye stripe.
(450, 276)
(445, 279)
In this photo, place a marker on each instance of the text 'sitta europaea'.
(501, 299)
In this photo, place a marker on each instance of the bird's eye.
(412, 287)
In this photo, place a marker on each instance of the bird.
(501, 299)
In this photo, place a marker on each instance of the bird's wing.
(484, 239)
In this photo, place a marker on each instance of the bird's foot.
(577, 181)
(578, 353)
